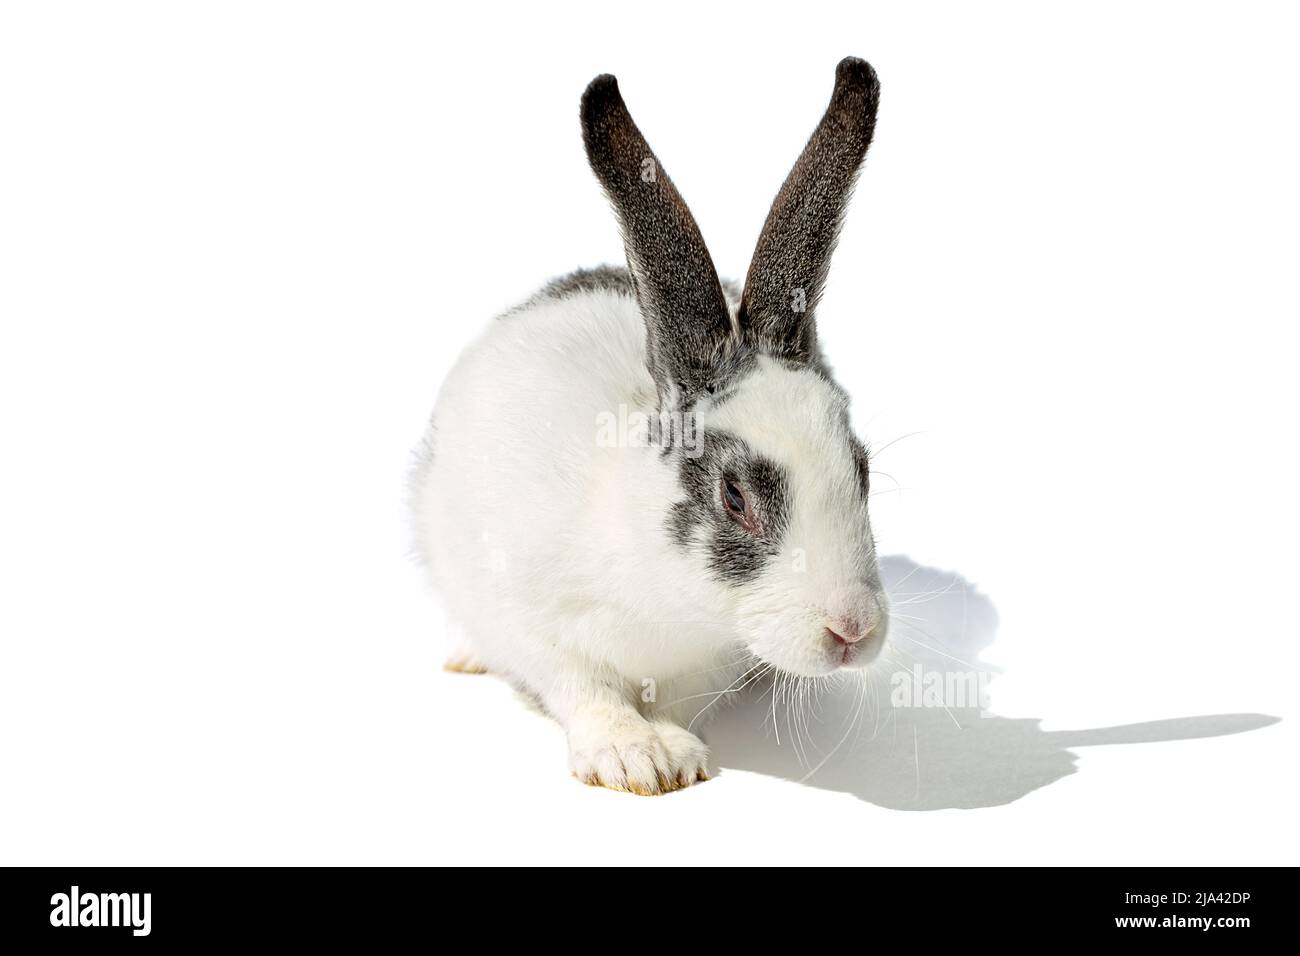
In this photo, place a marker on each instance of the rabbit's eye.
(733, 499)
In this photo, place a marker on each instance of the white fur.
(554, 552)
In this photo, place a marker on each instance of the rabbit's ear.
(789, 267)
(688, 325)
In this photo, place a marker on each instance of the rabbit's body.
(546, 540)
(640, 489)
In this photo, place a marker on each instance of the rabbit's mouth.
(821, 657)
(860, 653)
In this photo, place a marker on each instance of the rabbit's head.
(772, 483)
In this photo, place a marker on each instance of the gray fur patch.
(600, 279)
(734, 555)
(688, 324)
(788, 271)
(863, 463)
(579, 282)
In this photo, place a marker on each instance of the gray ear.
(687, 323)
(789, 267)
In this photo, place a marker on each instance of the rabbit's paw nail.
(690, 756)
(463, 661)
(647, 759)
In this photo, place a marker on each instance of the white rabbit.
(638, 491)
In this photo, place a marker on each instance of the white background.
(240, 245)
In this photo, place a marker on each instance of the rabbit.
(639, 490)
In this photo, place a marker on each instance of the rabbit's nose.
(847, 631)
(855, 626)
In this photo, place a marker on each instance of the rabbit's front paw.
(637, 756)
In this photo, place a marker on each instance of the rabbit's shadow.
(930, 757)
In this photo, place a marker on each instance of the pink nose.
(847, 632)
